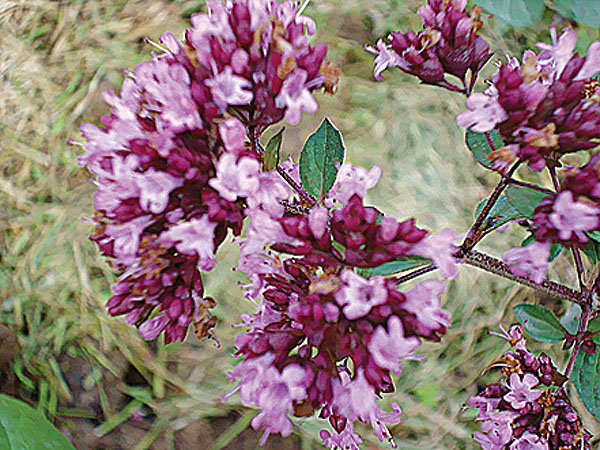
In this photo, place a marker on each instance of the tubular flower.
(565, 217)
(173, 171)
(316, 314)
(448, 44)
(546, 105)
(528, 410)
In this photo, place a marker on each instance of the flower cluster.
(543, 106)
(575, 209)
(529, 409)
(448, 44)
(561, 218)
(324, 337)
(171, 162)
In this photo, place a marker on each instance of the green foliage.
(399, 265)
(321, 157)
(570, 320)
(584, 11)
(592, 251)
(594, 326)
(272, 151)
(586, 378)
(25, 428)
(518, 13)
(524, 199)
(523, 13)
(540, 322)
(501, 213)
(480, 147)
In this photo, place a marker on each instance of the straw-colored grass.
(106, 387)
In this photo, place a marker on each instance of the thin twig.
(416, 273)
(473, 235)
(555, 182)
(579, 265)
(530, 186)
(305, 196)
(497, 267)
(585, 315)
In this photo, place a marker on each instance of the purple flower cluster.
(448, 44)
(171, 163)
(575, 209)
(325, 338)
(529, 409)
(544, 106)
(561, 218)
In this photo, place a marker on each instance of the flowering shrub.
(179, 163)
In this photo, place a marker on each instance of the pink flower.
(126, 237)
(494, 440)
(529, 441)
(271, 191)
(424, 302)
(295, 96)
(386, 57)
(592, 62)
(263, 228)
(573, 217)
(276, 397)
(152, 328)
(193, 237)
(229, 89)
(233, 134)
(390, 347)
(522, 390)
(236, 178)
(440, 248)
(317, 221)
(347, 439)
(358, 295)
(352, 180)
(166, 87)
(559, 52)
(155, 187)
(483, 115)
(263, 386)
(485, 405)
(530, 261)
(356, 400)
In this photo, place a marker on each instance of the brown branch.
(497, 267)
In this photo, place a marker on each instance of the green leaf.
(272, 151)
(399, 265)
(524, 199)
(593, 326)
(321, 158)
(502, 212)
(480, 147)
(584, 11)
(586, 378)
(595, 235)
(570, 320)
(540, 322)
(518, 13)
(25, 428)
(592, 251)
(555, 249)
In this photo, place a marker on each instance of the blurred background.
(106, 388)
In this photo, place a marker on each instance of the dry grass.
(57, 57)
